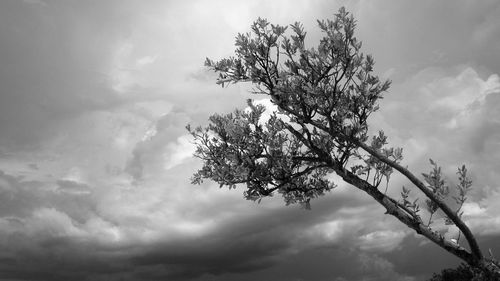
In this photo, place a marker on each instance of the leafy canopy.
(324, 97)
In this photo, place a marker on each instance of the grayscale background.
(95, 160)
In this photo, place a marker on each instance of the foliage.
(324, 98)
(331, 87)
(463, 273)
(438, 187)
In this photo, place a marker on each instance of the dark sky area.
(95, 160)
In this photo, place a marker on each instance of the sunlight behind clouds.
(177, 152)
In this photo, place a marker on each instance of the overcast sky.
(95, 160)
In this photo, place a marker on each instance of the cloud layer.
(95, 161)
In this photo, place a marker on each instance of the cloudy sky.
(95, 160)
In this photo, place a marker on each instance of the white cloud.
(146, 60)
(75, 174)
(329, 232)
(484, 216)
(381, 240)
(472, 209)
(459, 92)
(179, 151)
(440, 99)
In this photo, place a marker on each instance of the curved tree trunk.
(489, 270)
(471, 240)
(395, 210)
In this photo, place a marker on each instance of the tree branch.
(475, 250)
(394, 210)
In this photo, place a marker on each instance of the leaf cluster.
(412, 206)
(464, 273)
(371, 163)
(238, 148)
(436, 183)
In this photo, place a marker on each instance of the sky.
(95, 160)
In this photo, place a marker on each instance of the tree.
(324, 98)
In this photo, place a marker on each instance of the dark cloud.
(21, 198)
(240, 245)
(335, 262)
(268, 243)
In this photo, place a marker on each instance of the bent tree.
(324, 98)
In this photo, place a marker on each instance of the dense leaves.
(463, 273)
(326, 95)
(238, 148)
